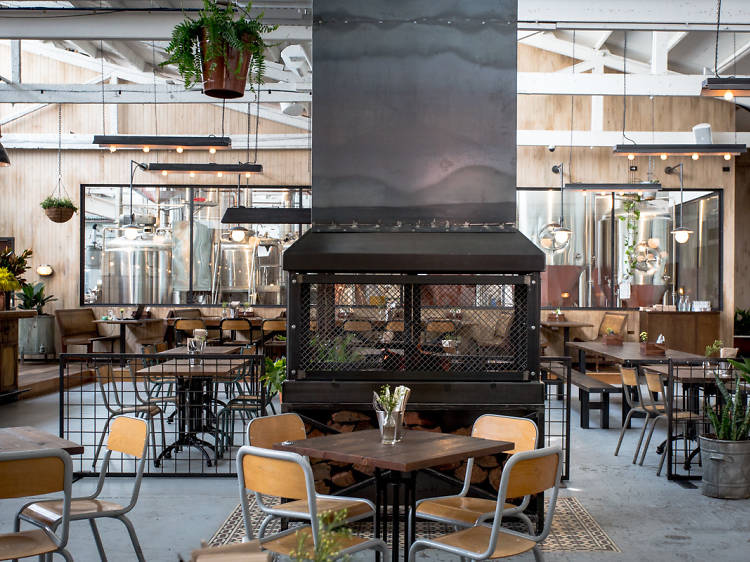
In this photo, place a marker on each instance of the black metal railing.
(557, 405)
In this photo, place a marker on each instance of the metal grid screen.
(420, 326)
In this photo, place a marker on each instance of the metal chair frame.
(517, 511)
(495, 529)
(91, 516)
(248, 400)
(636, 406)
(312, 496)
(61, 540)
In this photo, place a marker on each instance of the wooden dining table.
(565, 325)
(395, 466)
(25, 439)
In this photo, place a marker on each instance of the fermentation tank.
(136, 271)
(268, 280)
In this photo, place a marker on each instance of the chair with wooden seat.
(34, 473)
(526, 473)
(157, 384)
(235, 325)
(463, 510)
(250, 551)
(76, 326)
(184, 327)
(631, 388)
(128, 436)
(263, 433)
(112, 390)
(268, 472)
(270, 329)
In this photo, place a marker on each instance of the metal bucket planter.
(726, 468)
(36, 336)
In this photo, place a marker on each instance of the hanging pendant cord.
(572, 112)
(716, 46)
(223, 110)
(624, 88)
(257, 121)
(247, 144)
(59, 147)
(101, 56)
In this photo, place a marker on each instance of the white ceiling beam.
(675, 39)
(134, 93)
(727, 64)
(602, 39)
(15, 62)
(580, 67)
(559, 83)
(660, 52)
(271, 114)
(44, 141)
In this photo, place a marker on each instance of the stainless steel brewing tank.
(268, 273)
(236, 265)
(136, 271)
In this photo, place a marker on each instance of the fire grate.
(426, 325)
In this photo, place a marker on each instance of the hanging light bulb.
(179, 150)
(663, 156)
(238, 233)
(112, 148)
(631, 156)
(130, 232)
(562, 235)
(681, 234)
(247, 175)
(192, 174)
(164, 172)
(219, 174)
(728, 95)
(695, 156)
(146, 149)
(727, 157)
(212, 150)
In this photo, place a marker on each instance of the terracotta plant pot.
(219, 78)
(613, 339)
(59, 214)
(649, 348)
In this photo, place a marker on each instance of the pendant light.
(681, 233)
(560, 232)
(728, 87)
(131, 230)
(237, 233)
(4, 159)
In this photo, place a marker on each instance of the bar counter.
(9, 352)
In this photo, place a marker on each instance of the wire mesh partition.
(555, 373)
(196, 407)
(478, 326)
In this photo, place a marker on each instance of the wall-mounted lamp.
(44, 270)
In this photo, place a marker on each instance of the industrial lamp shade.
(681, 234)
(238, 233)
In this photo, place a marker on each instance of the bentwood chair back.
(526, 473)
(289, 475)
(128, 436)
(463, 510)
(34, 473)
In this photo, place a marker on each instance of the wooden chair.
(263, 433)
(184, 327)
(157, 384)
(128, 436)
(238, 552)
(113, 399)
(525, 474)
(77, 327)
(235, 325)
(461, 510)
(31, 474)
(268, 472)
(631, 383)
(269, 329)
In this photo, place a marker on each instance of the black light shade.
(679, 149)
(4, 159)
(266, 215)
(210, 168)
(179, 143)
(727, 88)
(626, 187)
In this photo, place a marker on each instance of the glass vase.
(391, 426)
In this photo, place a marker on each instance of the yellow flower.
(8, 281)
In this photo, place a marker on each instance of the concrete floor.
(648, 517)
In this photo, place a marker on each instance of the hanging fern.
(224, 28)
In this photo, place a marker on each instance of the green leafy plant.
(331, 539)
(335, 350)
(8, 281)
(16, 264)
(742, 322)
(227, 26)
(630, 218)
(32, 297)
(730, 419)
(610, 332)
(643, 336)
(714, 348)
(58, 202)
(275, 375)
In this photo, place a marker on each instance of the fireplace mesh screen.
(415, 327)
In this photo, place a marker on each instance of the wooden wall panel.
(742, 234)
(669, 113)
(551, 113)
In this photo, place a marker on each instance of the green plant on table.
(16, 264)
(275, 375)
(610, 332)
(731, 419)
(643, 336)
(225, 26)
(32, 297)
(8, 281)
(714, 348)
(332, 536)
(58, 202)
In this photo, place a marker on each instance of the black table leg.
(396, 514)
(412, 505)
(378, 503)
(582, 361)
(122, 338)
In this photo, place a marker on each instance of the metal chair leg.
(650, 433)
(65, 554)
(622, 431)
(538, 556)
(133, 537)
(640, 439)
(101, 441)
(98, 540)
(153, 438)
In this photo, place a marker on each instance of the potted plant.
(35, 335)
(274, 377)
(650, 348)
(58, 209)
(221, 48)
(556, 316)
(15, 266)
(611, 338)
(726, 451)
(742, 330)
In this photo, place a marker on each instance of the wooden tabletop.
(18, 439)
(685, 374)
(128, 321)
(628, 352)
(565, 324)
(209, 349)
(16, 314)
(419, 449)
(182, 368)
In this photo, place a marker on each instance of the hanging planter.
(58, 207)
(221, 48)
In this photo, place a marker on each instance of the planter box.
(726, 468)
(654, 349)
(556, 317)
(613, 339)
(36, 336)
